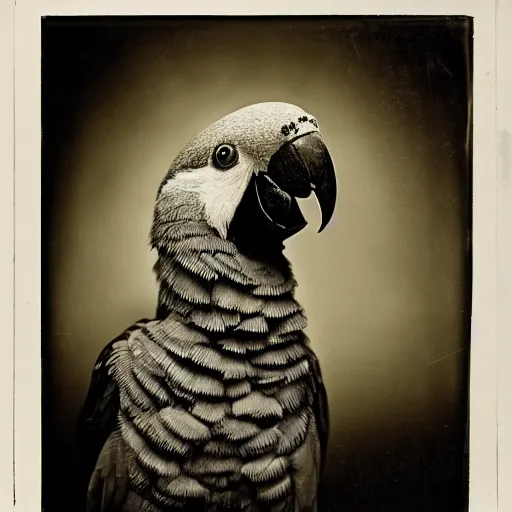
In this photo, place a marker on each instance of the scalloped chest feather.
(216, 396)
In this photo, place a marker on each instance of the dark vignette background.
(389, 306)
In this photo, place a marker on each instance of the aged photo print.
(256, 263)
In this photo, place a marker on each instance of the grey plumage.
(218, 403)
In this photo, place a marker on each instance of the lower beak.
(269, 210)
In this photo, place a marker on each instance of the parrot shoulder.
(98, 416)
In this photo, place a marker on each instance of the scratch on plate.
(445, 357)
(352, 37)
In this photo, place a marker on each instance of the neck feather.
(221, 290)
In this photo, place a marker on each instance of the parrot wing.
(309, 458)
(98, 443)
(320, 407)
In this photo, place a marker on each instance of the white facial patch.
(220, 192)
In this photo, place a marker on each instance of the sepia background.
(386, 286)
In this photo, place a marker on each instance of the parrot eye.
(225, 156)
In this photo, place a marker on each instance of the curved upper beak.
(269, 212)
(302, 166)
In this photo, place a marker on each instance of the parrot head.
(242, 175)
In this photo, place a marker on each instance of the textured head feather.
(260, 129)
(194, 190)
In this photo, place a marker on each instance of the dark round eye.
(225, 156)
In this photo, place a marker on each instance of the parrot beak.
(269, 210)
(303, 166)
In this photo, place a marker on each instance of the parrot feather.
(169, 301)
(145, 456)
(257, 405)
(217, 403)
(166, 234)
(276, 338)
(209, 465)
(265, 469)
(194, 263)
(109, 482)
(238, 389)
(214, 360)
(137, 344)
(185, 378)
(273, 290)
(218, 482)
(151, 426)
(280, 308)
(235, 299)
(254, 324)
(227, 499)
(280, 356)
(235, 430)
(282, 506)
(292, 397)
(242, 346)
(164, 501)
(184, 487)
(261, 443)
(226, 269)
(151, 385)
(204, 244)
(211, 412)
(288, 374)
(184, 425)
(306, 464)
(138, 478)
(175, 330)
(294, 323)
(221, 449)
(126, 404)
(182, 283)
(275, 491)
(294, 429)
(214, 320)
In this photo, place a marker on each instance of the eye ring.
(225, 156)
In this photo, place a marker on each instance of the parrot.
(218, 401)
